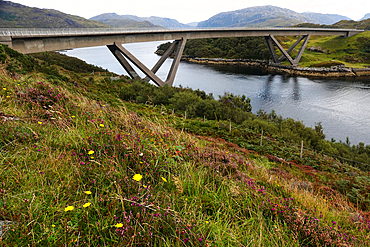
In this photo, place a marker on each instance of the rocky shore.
(334, 71)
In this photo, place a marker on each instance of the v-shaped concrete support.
(270, 40)
(121, 54)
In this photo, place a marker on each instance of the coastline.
(317, 72)
(333, 72)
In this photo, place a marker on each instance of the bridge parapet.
(47, 32)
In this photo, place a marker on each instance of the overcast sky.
(187, 11)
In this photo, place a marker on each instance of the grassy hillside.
(81, 166)
(353, 51)
(14, 15)
(126, 23)
(364, 25)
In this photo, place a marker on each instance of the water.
(342, 106)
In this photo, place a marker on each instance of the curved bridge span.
(40, 40)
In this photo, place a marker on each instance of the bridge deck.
(40, 40)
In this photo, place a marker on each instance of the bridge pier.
(122, 54)
(271, 41)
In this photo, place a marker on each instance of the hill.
(327, 19)
(93, 160)
(158, 21)
(322, 51)
(364, 25)
(267, 16)
(14, 15)
(367, 16)
(117, 21)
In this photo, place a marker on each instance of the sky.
(195, 10)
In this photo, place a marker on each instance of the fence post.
(301, 149)
(261, 138)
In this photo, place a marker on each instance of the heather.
(82, 163)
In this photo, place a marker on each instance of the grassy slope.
(194, 190)
(339, 49)
(13, 15)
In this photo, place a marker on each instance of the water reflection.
(296, 92)
(266, 94)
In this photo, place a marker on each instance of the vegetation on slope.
(14, 15)
(348, 24)
(80, 166)
(352, 51)
(321, 50)
(244, 47)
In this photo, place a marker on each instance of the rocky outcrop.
(316, 49)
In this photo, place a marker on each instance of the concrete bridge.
(40, 40)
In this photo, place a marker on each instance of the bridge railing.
(66, 31)
(81, 31)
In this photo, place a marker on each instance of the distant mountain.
(14, 15)
(159, 21)
(367, 16)
(267, 16)
(118, 21)
(192, 24)
(326, 19)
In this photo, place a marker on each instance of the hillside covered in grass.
(321, 51)
(14, 15)
(88, 160)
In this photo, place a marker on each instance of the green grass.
(68, 141)
(337, 49)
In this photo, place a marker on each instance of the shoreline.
(316, 72)
(333, 72)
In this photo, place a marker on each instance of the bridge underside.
(123, 56)
(271, 40)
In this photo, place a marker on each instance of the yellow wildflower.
(86, 205)
(87, 192)
(73, 116)
(90, 152)
(145, 186)
(69, 208)
(101, 125)
(164, 179)
(39, 122)
(137, 177)
(118, 225)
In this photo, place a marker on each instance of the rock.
(302, 185)
(4, 227)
